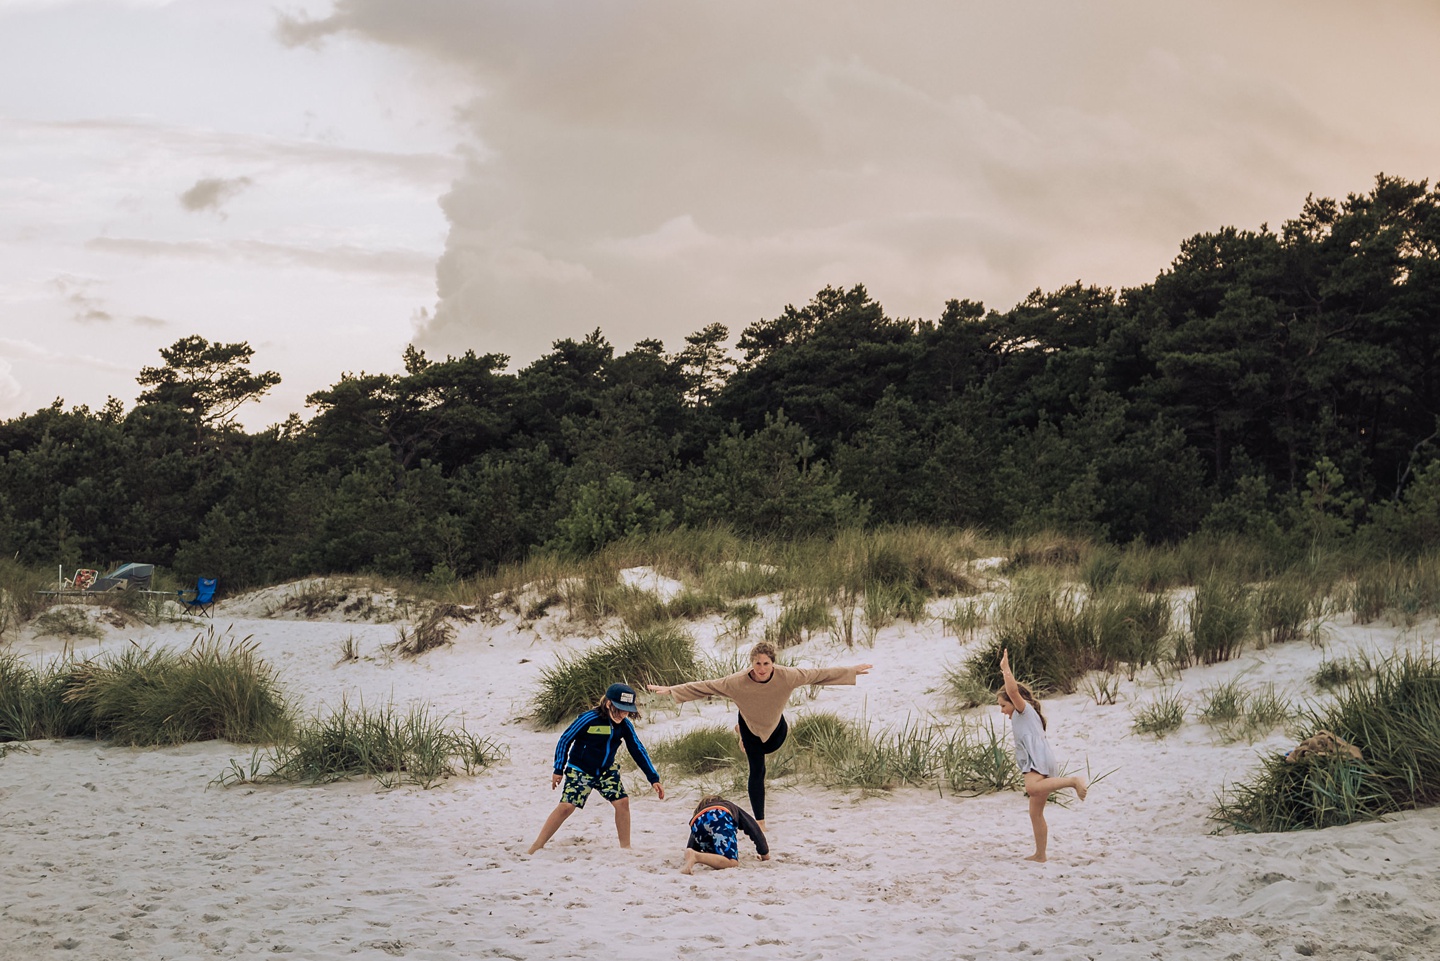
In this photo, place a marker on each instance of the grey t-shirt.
(1032, 751)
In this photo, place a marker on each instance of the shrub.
(1332, 673)
(1130, 627)
(1051, 636)
(662, 654)
(799, 618)
(415, 747)
(1286, 607)
(1394, 720)
(67, 620)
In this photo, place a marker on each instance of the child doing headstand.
(586, 755)
(713, 840)
(1032, 753)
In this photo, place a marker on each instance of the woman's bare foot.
(1037, 858)
(689, 867)
(1081, 787)
(761, 822)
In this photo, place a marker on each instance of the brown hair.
(709, 800)
(764, 647)
(604, 707)
(1029, 696)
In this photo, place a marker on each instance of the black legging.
(755, 751)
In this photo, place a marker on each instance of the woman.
(761, 694)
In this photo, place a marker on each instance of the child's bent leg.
(693, 857)
(1038, 825)
(622, 820)
(552, 824)
(1046, 786)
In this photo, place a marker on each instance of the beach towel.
(1323, 744)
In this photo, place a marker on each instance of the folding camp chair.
(204, 600)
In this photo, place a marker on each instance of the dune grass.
(1221, 615)
(394, 748)
(1393, 718)
(432, 630)
(1236, 712)
(661, 654)
(823, 748)
(1164, 714)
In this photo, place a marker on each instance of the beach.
(116, 852)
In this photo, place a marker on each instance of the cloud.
(84, 307)
(651, 167)
(211, 193)
(144, 320)
(342, 258)
(9, 386)
(28, 350)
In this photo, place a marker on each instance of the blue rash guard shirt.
(591, 743)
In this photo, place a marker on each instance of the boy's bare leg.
(693, 857)
(622, 820)
(552, 824)
(1038, 825)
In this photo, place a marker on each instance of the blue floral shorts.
(578, 786)
(714, 833)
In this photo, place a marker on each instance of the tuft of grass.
(965, 619)
(69, 621)
(1051, 635)
(1394, 719)
(349, 650)
(1164, 714)
(977, 760)
(799, 617)
(1221, 616)
(661, 654)
(1289, 608)
(1223, 704)
(1102, 688)
(702, 750)
(1337, 673)
(395, 748)
(431, 631)
(212, 689)
(1131, 628)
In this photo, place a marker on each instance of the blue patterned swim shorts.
(714, 833)
(578, 786)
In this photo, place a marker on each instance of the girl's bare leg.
(693, 857)
(1038, 825)
(552, 824)
(622, 820)
(1049, 785)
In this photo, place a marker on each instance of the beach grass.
(393, 747)
(1164, 714)
(661, 654)
(1393, 718)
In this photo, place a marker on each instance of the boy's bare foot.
(689, 867)
(1081, 786)
(1037, 858)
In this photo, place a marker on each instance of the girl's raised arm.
(1012, 690)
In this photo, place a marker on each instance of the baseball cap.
(622, 696)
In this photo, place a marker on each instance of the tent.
(126, 577)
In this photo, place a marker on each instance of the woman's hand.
(658, 689)
(863, 668)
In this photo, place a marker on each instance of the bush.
(799, 618)
(431, 631)
(32, 704)
(1052, 638)
(702, 750)
(663, 654)
(1394, 720)
(394, 748)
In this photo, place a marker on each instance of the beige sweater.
(761, 704)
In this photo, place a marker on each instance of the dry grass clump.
(431, 631)
(394, 748)
(67, 621)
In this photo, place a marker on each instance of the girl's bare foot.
(689, 867)
(1081, 787)
(1037, 858)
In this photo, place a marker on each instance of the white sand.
(124, 853)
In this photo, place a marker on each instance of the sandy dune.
(123, 853)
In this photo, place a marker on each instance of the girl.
(713, 839)
(586, 755)
(1032, 753)
(760, 695)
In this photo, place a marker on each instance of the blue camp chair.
(204, 600)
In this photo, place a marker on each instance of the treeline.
(1282, 385)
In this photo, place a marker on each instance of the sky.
(332, 180)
